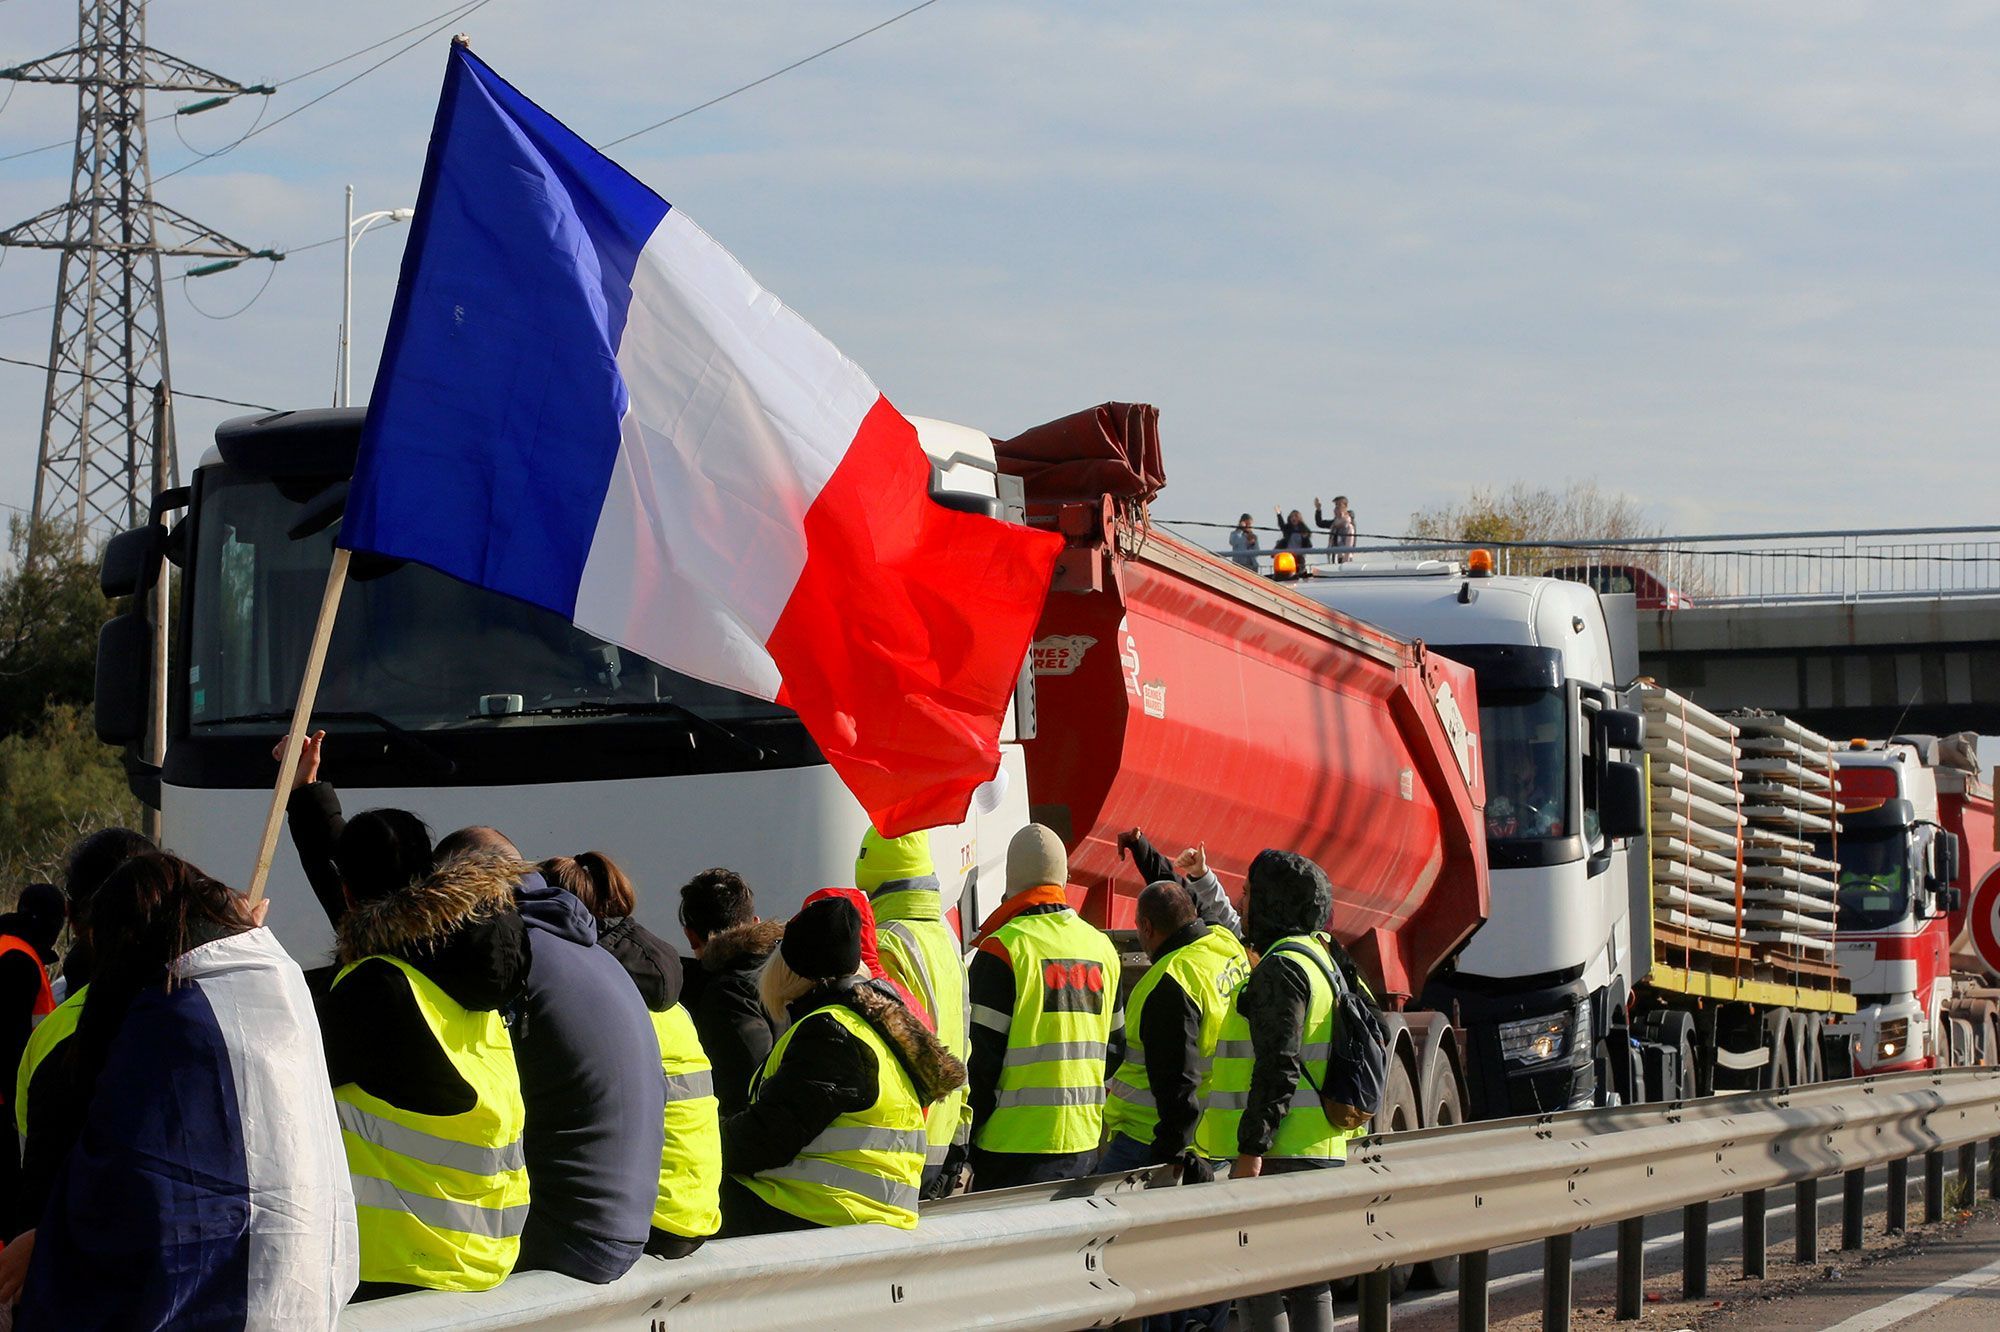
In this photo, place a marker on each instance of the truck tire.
(1812, 1048)
(1443, 1104)
(1836, 1055)
(1674, 1077)
(1989, 1040)
(1779, 1072)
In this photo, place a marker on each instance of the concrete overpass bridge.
(1853, 633)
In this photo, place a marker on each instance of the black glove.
(949, 1175)
(1197, 1169)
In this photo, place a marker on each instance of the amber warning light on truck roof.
(1284, 565)
(1479, 564)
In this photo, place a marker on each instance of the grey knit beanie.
(1035, 858)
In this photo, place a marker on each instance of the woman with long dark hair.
(206, 1185)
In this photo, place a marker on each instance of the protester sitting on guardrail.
(585, 1047)
(718, 913)
(42, 1076)
(426, 1075)
(871, 951)
(1260, 1104)
(834, 1134)
(206, 1184)
(1047, 1025)
(686, 1210)
(920, 948)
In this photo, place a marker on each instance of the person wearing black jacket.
(730, 945)
(825, 1072)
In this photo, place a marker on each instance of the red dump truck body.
(1965, 807)
(1179, 694)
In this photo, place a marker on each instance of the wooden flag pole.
(336, 581)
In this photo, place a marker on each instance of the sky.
(1735, 261)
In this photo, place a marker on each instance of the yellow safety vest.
(50, 1032)
(867, 1164)
(1209, 970)
(441, 1199)
(920, 950)
(1050, 1097)
(1304, 1132)
(690, 1200)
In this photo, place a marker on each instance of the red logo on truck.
(1983, 920)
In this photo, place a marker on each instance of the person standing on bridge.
(1047, 1026)
(920, 949)
(1260, 1105)
(834, 1135)
(1341, 525)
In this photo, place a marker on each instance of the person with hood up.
(920, 949)
(205, 1187)
(422, 1064)
(718, 914)
(1260, 1106)
(871, 950)
(584, 1042)
(46, 1139)
(834, 1134)
(1047, 1025)
(686, 1210)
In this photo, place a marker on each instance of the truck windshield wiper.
(438, 764)
(592, 707)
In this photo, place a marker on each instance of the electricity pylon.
(108, 346)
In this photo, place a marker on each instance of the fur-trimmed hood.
(742, 947)
(458, 925)
(935, 1071)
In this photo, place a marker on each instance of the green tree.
(57, 782)
(50, 612)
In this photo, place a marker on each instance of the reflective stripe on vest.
(1208, 970)
(925, 955)
(1050, 1096)
(440, 1199)
(1304, 1131)
(867, 1164)
(689, 1203)
(49, 1033)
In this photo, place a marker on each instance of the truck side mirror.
(1954, 900)
(1621, 729)
(132, 561)
(1947, 857)
(1621, 800)
(124, 674)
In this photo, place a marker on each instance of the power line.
(45, 367)
(756, 83)
(451, 15)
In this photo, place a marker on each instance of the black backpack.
(1357, 1066)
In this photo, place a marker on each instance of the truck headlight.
(1537, 1040)
(1891, 1039)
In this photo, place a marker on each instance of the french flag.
(586, 403)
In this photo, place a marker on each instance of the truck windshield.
(1523, 735)
(413, 646)
(1874, 878)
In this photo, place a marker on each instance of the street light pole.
(344, 390)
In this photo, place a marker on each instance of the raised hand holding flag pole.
(586, 403)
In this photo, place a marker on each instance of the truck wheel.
(1989, 1037)
(1778, 1072)
(1812, 1048)
(1442, 1106)
(1836, 1054)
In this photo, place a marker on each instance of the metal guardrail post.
(1933, 1186)
(1694, 1251)
(1993, 1168)
(1557, 1252)
(1968, 1173)
(1753, 1233)
(1853, 1209)
(1805, 1221)
(1631, 1268)
(1373, 1297)
(1473, 1305)
(1899, 1197)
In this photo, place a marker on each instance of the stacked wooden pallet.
(1697, 815)
(1789, 893)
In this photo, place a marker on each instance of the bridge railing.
(1731, 568)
